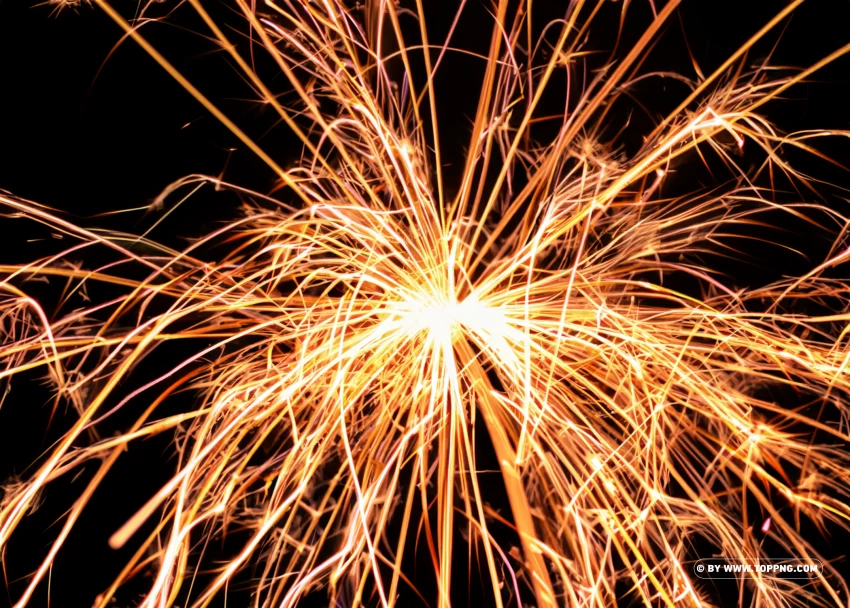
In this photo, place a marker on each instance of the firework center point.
(441, 319)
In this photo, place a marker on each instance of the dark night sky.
(86, 131)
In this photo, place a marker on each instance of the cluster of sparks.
(356, 335)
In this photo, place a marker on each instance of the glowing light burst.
(360, 335)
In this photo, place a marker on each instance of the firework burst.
(359, 334)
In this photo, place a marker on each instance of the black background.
(87, 127)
